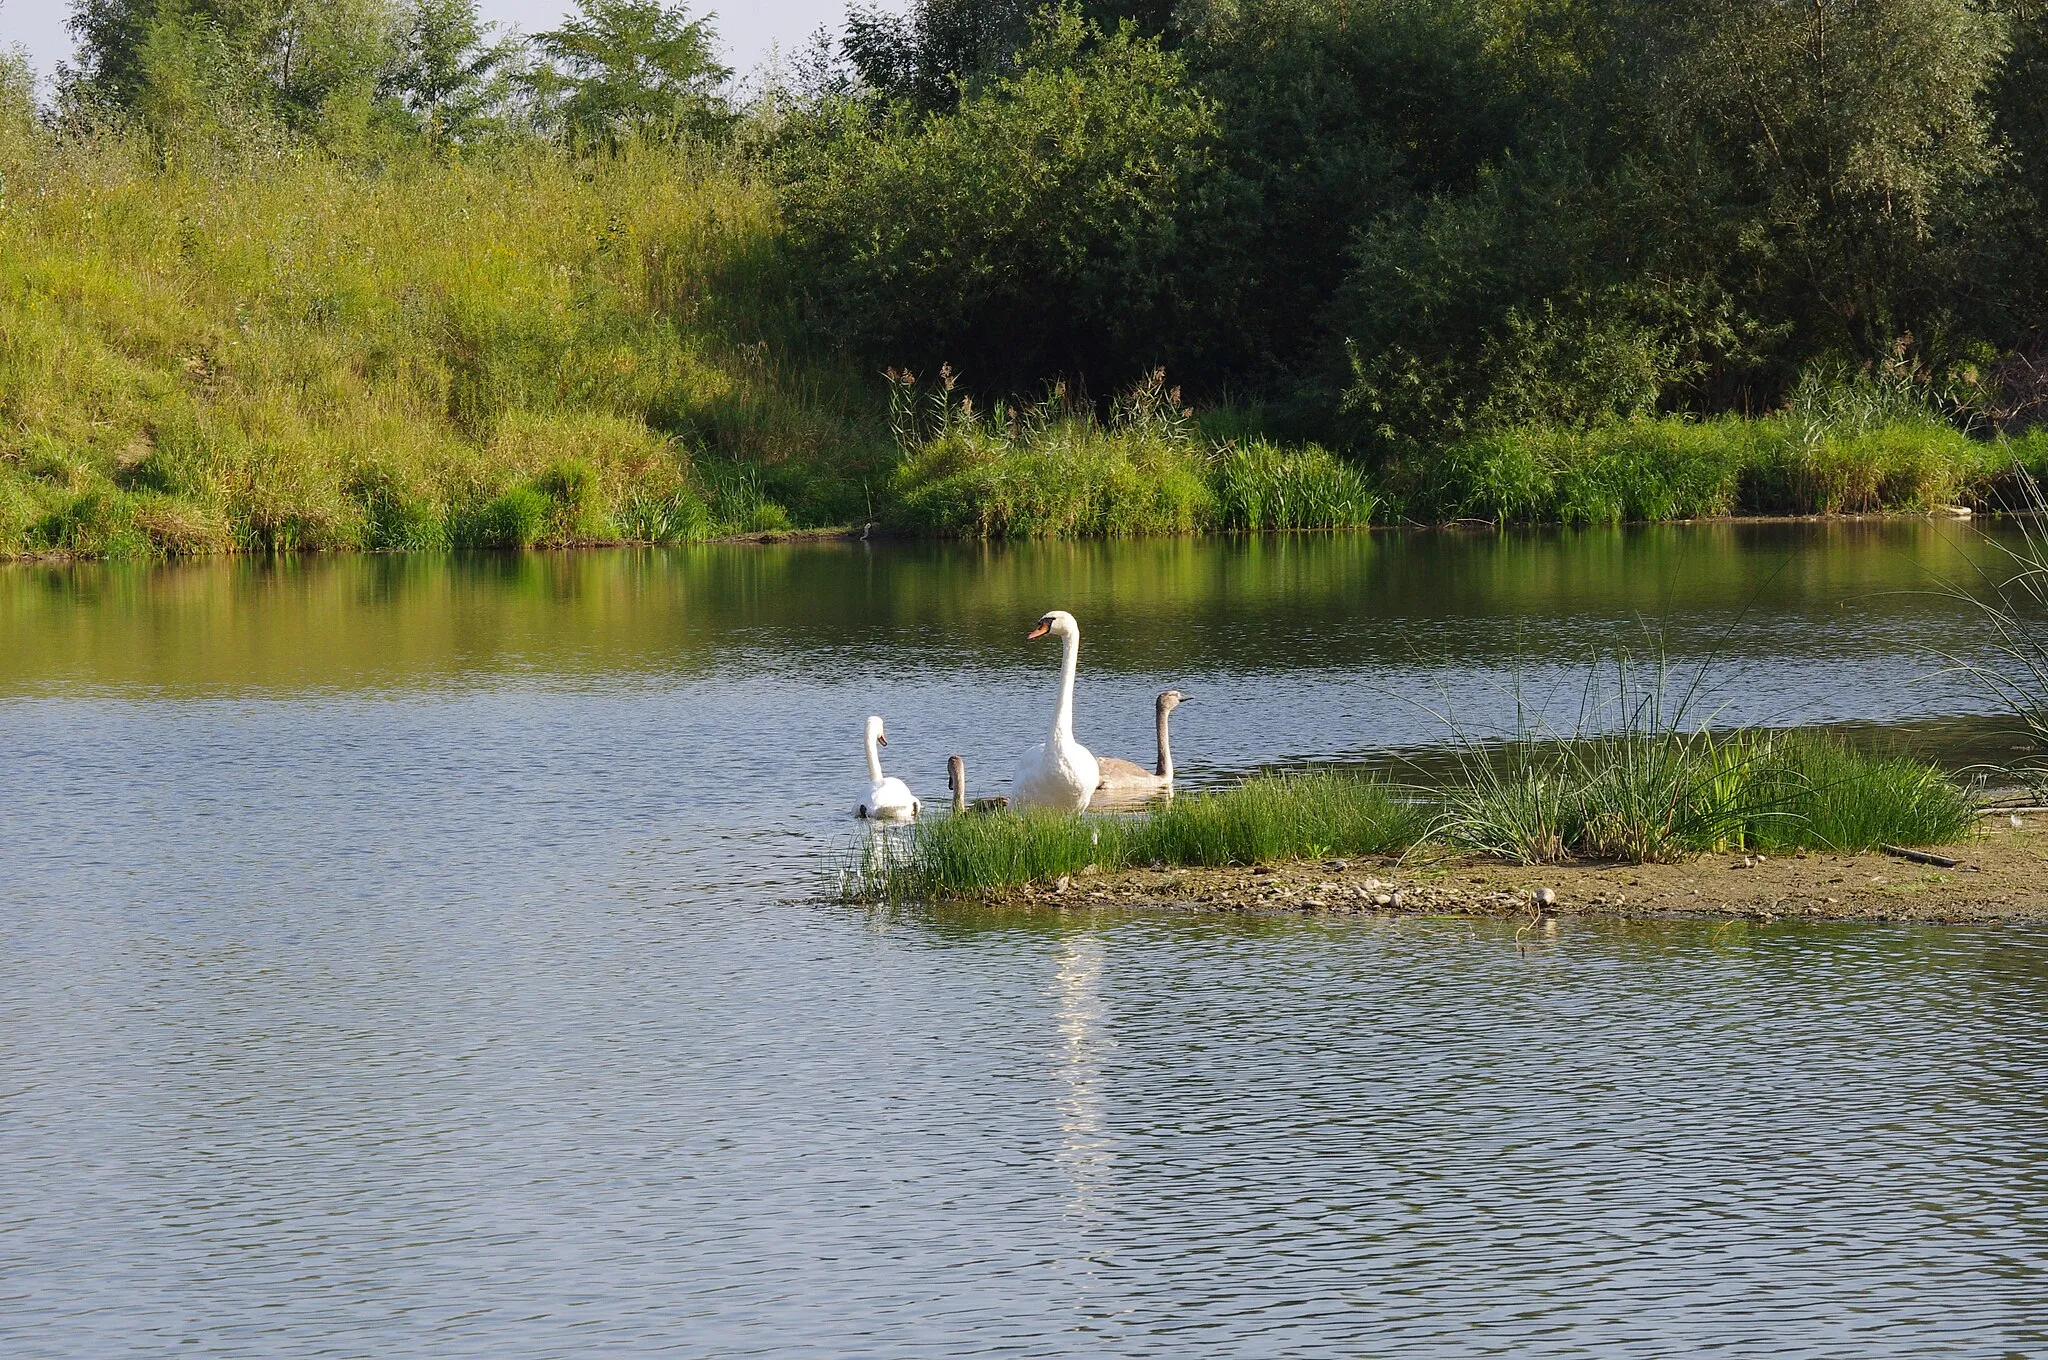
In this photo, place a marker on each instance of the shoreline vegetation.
(385, 279)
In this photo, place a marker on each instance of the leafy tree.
(926, 57)
(1823, 151)
(313, 65)
(627, 68)
(110, 36)
(448, 75)
(1033, 231)
(2009, 274)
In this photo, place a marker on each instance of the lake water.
(429, 956)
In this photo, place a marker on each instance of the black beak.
(881, 740)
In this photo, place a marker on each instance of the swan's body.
(1127, 777)
(1059, 772)
(888, 798)
(956, 780)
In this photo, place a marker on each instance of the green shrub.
(1029, 232)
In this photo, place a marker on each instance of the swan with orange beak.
(1059, 772)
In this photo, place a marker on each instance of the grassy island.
(1628, 799)
(382, 278)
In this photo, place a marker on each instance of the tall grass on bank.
(290, 352)
(2016, 674)
(1053, 470)
(1271, 817)
(1666, 468)
(1631, 798)
(1641, 779)
(1642, 798)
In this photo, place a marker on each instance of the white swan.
(888, 798)
(1128, 778)
(1059, 772)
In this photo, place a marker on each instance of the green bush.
(1030, 232)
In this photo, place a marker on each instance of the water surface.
(425, 956)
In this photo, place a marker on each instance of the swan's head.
(1171, 700)
(1059, 623)
(875, 733)
(956, 773)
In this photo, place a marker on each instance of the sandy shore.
(2001, 876)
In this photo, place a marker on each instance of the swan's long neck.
(1063, 716)
(1165, 770)
(874, 761)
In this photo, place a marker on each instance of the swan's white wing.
(891, 798)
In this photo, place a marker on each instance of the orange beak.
(1040, 631)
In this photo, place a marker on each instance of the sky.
(747, 29)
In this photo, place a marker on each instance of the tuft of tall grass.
(2016, 606)
(1266, 818)
(1260, 485)
(1639, 797)
(1052, 470)
(1677, 468)
(1810, 792)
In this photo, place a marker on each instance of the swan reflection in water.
(1086, 1150)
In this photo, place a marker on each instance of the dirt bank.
(2002, 876)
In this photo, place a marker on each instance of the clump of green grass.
(1651, 798)
(1814, 793)
(1802, 468)
(1676, 468)
(2012, 595)
(1260, 485)
(1632, 470)
(1266, 818)
(1053, 470)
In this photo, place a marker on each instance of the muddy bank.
(2001, 876)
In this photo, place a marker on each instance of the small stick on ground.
(1920, 856)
